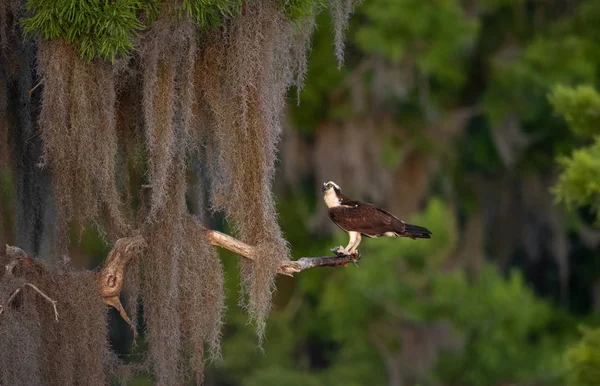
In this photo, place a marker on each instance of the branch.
(36, 289)
(53, 302)
(222, 240)
(34, 87)
(19, 259)
(111, 277)
(287, 268)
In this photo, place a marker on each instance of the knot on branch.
(112, 276)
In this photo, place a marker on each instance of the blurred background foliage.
(477, 119)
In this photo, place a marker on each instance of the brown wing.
(367, 219)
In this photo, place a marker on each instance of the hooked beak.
(324, 187)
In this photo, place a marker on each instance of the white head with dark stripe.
(331, 194)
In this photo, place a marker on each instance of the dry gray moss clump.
(182, 87)
(36, 349)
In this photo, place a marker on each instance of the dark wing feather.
(365, 218)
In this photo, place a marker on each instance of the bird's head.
(331, 185)
(331, 193)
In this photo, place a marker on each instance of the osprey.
(364, 219)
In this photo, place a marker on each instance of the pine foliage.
(579, 182)
(578, 186)
(583, 359)
(95, 28)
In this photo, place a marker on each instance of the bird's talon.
(355, 257)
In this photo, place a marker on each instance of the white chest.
(331, 199)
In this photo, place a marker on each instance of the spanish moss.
(78, 129)
(250, 67)
(36, 348)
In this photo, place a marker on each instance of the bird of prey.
(364, 219)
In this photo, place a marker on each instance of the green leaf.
(579, 106)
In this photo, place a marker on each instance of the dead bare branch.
(36, 289)
(111, 277)
(287, 268)
(230, 243)
(291, 267)
(53, 302)
(35, 87)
